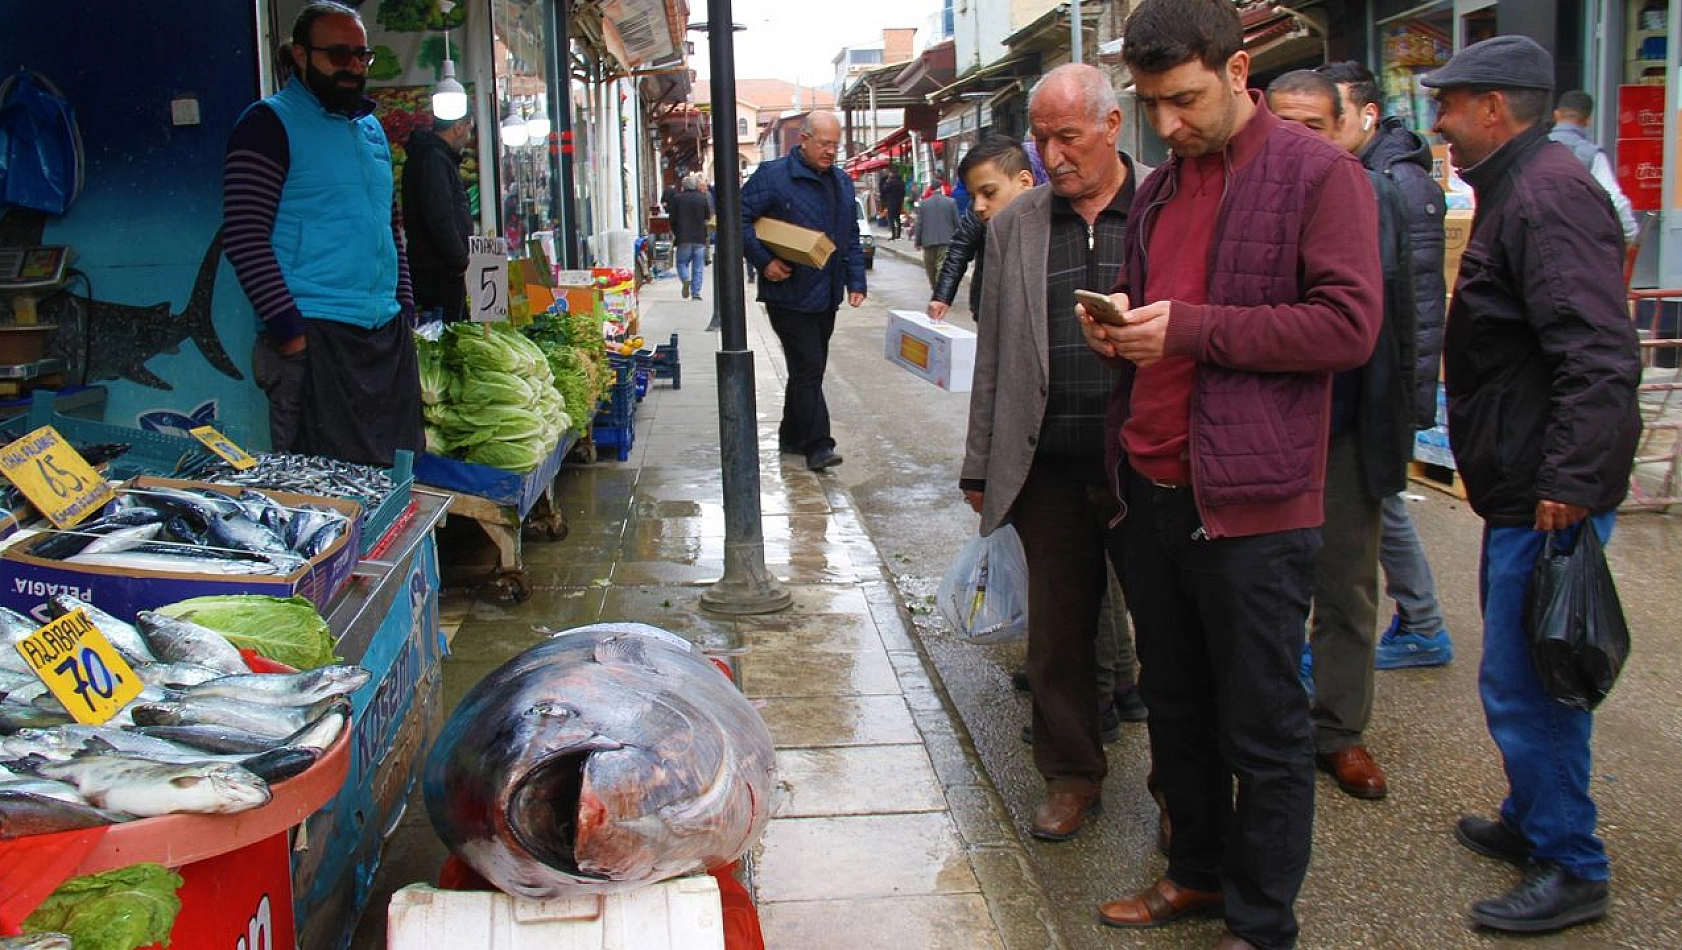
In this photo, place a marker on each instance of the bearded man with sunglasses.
(312, 229)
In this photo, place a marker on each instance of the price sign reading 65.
(54, 477)
(81, 668)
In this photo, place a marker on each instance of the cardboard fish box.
(794, 243)
(27, 581)
(940, 352)
(1457, 230)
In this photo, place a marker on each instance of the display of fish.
(26, 813)
(308, 475)
(15, 716)
(283, 689)
(45, 940)
(275, 722)
(609, 757)
(176, 674)
(62, 742)
(13, 628)
(182, 641)
(146, 788)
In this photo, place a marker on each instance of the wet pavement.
(905, 791)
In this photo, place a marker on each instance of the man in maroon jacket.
(1253, 257)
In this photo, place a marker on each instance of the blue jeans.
(1544, 744)
(692, 265)
(1407, 575)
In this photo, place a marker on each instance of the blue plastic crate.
(613, 437)
(619, 408)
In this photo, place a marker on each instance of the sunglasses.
(343, 56)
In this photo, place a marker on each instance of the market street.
(646, 538)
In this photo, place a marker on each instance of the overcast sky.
(797, 41)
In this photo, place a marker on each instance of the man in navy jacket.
(805, 188)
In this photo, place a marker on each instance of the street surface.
(1384, 874)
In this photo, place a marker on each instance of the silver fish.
(175, 675)
(62, 742)
(213, 738)
(123, 539)
(26, 813)
(43, 940)
(121, 634)
(184, 641)
(275, 722)
(284, 689)
(322, 733)
(45, 787)
(15, 716)
(13, 628)
(145, 788)
(607, 758)
(178, 564)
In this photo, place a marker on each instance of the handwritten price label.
(81, 668)
(487, 279)
(54, 477)
(222, 446)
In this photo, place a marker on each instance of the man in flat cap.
(1541, 367)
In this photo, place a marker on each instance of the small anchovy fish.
(283, 689)
(146, 789)
(183, 641)
(309, 475)
(122, 635)
(26, 813)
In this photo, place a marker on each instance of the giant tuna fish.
(609, 757)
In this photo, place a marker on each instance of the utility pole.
(746, 587)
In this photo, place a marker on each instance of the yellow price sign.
(81, 668)
(221, 445)
(54, 477)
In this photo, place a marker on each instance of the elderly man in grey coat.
(1034, 455)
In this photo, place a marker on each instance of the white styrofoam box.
(681, 914)
(940, 352)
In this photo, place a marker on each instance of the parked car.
(867, 237)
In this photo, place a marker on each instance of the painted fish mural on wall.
(100, 340)
(611, 756)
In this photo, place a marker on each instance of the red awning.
(866, 166)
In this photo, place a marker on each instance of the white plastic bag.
(984, 595)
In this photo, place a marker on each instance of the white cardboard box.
(680, 914)
(942, 353)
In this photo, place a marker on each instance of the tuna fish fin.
(625, 650)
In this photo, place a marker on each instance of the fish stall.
(253, 798)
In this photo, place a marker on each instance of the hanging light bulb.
(537, 124)
(514, 131)
(449, 99)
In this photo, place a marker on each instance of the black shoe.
(1130, 705)
(1109, 727)
(1493, 839)
(1549, 898)
(695, 297)
(819, 459)
(1019, 680)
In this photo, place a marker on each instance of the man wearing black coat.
(436, 221)
(892, 194)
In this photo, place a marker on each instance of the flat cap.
(1501, 62)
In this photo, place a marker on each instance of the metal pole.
(746, 587)
(560, 136)
(1076, 53)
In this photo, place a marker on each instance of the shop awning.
(1280, 38)
(997, 73)
(868, 165)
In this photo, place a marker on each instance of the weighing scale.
(26, 273)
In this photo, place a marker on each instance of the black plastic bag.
(1578, 638)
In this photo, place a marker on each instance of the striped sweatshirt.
(258, 160)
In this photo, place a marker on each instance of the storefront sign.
(487, 279)
(81, 668)
(222, 446)
(54, 477)
(640, 29)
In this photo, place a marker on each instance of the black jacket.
(1541, 360)
(1374, 399)
(436, 222)
(690, 211)
(968, 243)
(892, 194)
(1405, 159)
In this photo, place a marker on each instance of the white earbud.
(1366, 123)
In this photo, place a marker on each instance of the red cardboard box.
(1640, 169)
(1640, 112)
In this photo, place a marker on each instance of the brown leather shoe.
(1231, 941)
(1063, 813)
(1356, 772)
(1161, 903)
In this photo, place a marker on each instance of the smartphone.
(1100, 306)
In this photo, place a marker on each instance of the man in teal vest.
(312, 230)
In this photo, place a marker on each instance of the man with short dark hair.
(1366, 463)
(1541, 365)
(314, 234)
(806, 189)
(1252, 275)
(1417, 635)
(436, 220)
(690, 213)
(1571, 129)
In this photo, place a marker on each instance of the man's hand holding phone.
(1100, 317)
(1137, 334)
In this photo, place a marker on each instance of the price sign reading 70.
(81, 668)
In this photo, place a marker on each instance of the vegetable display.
(490, 397)
(286, 629)
(116, 910)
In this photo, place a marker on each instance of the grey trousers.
(1407, 574)
(1341, 628)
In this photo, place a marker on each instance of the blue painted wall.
(152, 200)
